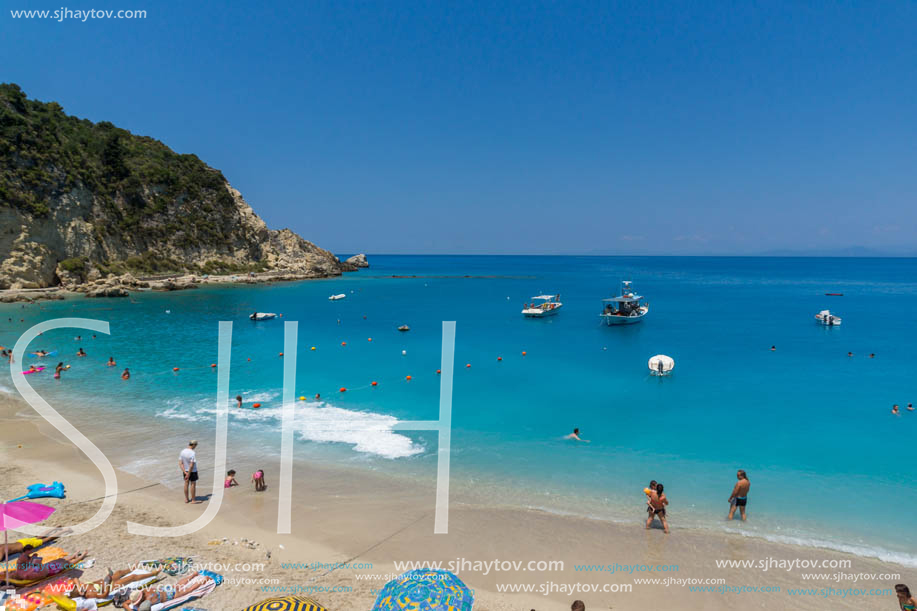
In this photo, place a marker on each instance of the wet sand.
(369, 520)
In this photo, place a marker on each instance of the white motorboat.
(542, 305)
(336, 297)
(661, 365)
(827, 319)
(625, 309)
(262, 316)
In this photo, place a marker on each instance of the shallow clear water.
(827, 461)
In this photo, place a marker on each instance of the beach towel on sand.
(209, 582)
(174, 566)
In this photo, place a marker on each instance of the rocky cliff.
(80, 201)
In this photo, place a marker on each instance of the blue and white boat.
(625, 309)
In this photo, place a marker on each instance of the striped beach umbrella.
(287, 603)
(425, 590)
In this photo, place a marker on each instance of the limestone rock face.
(83, 201)
(358, 261)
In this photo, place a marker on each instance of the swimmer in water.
(849, 354)
(111, 361)
(80, 352)
(895, 409)
(33, 368)
(910, 407)
(773, 348)
(317, 396)
(125, 375)
(57, 370)
(238, 400)
(575, 436)
(872, 355)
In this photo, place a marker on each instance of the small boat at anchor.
(827, 319)
(625, 309)
(256, 316)
(336, 297)
(542, 305)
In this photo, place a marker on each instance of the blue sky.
(488, 127)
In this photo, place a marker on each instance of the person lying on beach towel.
(192, 585)
(29, 567)
(32, 542)
(103, 588)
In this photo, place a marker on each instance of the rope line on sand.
(372, 547)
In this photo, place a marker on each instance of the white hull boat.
(542, 306)
(262, 316)
(625, 309)
(827, 319)
(336, 297)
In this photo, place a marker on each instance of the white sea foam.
(367, 432)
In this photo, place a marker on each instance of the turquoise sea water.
(829, 464)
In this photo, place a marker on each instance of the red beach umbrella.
(16, 514)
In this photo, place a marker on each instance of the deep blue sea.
(829, 464)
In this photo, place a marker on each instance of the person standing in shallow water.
(739, 496)
(658, 501)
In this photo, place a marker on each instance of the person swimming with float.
(80, 352)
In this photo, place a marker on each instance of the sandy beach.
(351, 527)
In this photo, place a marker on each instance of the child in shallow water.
(258, 478)
(230, 480)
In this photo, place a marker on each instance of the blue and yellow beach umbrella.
(425, 590)
(287, 603)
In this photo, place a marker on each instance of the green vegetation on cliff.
(45, 153)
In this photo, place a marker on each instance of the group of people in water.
(61, 367)
(656, 500)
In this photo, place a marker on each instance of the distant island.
(91, 207)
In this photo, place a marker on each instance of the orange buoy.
(375, 383)
(369, 339)
(256, 405)
(249, 359)
(523, 353)
(343, 343)
(175, 369)
(280, 354)
(499, 358)
(408, 378)
(213, 364)
(313, 347)
(343, 389)
(438, 371)
(467, 365)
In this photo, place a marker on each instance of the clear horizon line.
(563, 254)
